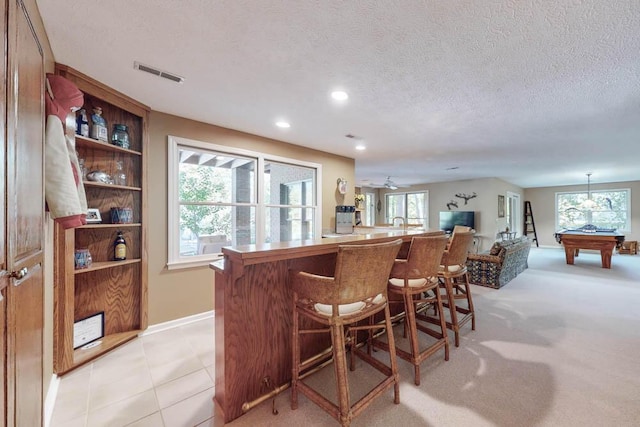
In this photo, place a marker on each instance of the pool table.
(600, 240)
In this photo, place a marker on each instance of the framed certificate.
(88, 330)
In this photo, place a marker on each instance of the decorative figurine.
(82, 124)
(98, 125)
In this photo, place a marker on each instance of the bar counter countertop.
(253, 312)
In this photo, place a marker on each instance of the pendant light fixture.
(589, 204)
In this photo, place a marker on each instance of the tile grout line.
(86, 407)
(155, 391)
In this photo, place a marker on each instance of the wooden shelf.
(100, 225)
(108, 342)
(106, 264)
(83, 141)
(110, 186)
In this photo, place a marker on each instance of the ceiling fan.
(388, 183)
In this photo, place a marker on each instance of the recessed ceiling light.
(339, 95)
(283, 125)
(360, 147)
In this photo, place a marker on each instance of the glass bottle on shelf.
(83, 169)
(82, 124)
(98, 125)
(119, 248)
(120, 136)
(120, 178)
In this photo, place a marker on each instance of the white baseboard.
(50, 399)
(159, 327)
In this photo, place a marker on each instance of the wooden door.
(4, 273)
(24, 220)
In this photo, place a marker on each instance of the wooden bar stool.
(412, 278)
(357, 291)
(455, 280)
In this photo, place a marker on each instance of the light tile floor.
(164, 379)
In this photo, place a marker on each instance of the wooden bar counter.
(253, 312)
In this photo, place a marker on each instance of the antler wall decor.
(466, 197)
(452, 203)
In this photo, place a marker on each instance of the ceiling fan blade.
(388, 184)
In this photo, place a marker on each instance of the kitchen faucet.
(401, 218)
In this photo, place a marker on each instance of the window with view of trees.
(410, 206)
(216, 199)
(289, 201)
(612, 209)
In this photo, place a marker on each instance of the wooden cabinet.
(116, 288)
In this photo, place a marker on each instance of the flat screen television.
(449, 219)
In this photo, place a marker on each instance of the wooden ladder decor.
(529, 223)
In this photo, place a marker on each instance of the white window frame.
(626, 229)
(406, 206)
(174, 260)
(370, 209)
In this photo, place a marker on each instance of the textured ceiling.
(537, 93)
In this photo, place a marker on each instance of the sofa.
(501, 264)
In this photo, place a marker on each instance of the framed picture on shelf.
(500, 206)
(93, 216)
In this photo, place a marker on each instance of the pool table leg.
(569, 254)
(605, 255)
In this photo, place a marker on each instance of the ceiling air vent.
(159, 73)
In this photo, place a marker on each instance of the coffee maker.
(344, 219)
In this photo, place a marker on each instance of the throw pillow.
(495, 249)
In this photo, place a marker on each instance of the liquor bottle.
(119, 248)
(82, 124)
(98, 125)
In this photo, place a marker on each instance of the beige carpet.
(557, 346)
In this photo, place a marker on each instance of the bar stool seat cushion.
(344, 309)
(451, 268)
(413, 283)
